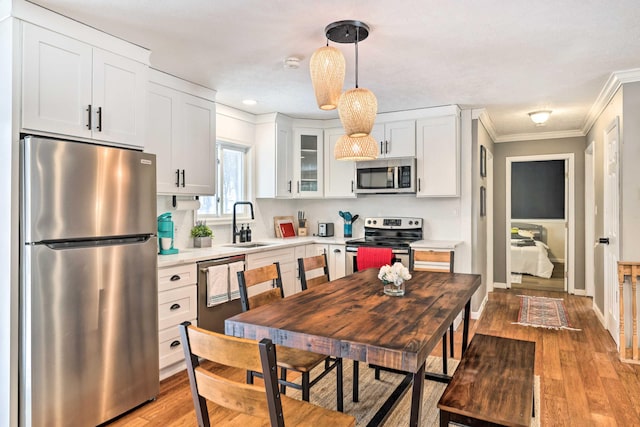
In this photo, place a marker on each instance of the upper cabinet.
(395, 139)
(75, 89)
(289, 161)
(438, 156)
(181, 132)
(308, 162)
(339, 174)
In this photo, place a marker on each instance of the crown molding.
(536, 136)
(482, 115)
(616, 79)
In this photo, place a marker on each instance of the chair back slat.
(317, 267)
(240, 397)
(425, 260)
(266, 297)
(225, 350)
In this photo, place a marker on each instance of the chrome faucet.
(235, 231)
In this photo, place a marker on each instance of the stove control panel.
(393, 222)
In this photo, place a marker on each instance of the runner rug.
(542, 312)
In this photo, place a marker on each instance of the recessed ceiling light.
(292, 62)
(249, 101)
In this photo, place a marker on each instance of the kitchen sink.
(248, 245)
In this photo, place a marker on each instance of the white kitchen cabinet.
(181, 133)
(308, 162)
(337, 258)
(274, 156)
(75, 89)
(339, 174)
(438, 156)
(177, 303)
(395, 139)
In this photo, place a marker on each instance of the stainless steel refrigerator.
(88, 296)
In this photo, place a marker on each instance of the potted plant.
(201, 234)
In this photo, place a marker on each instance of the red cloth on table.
(368, 257)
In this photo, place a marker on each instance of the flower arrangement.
(397, 273)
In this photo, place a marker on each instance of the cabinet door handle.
(289, 186)
(381, 151)
(90, 116)
(352, 186)
(337, 251)
(386, 146)
(177, 177)
(175, 278)
(99, 119)
(174, 344)
(174, 307)
(298, 186)
(418, 185)
(183, 178)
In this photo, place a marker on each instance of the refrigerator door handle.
(97, 243)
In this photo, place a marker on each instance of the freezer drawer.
(89, 332)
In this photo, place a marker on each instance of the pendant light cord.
(357, 38)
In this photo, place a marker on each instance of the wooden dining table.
(352, 318)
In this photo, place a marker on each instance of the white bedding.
(532, 260)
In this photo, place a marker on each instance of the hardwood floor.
(583, 382)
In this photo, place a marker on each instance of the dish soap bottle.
(243, 234)
(248, 233)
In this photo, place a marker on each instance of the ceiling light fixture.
(362, 148)
(292, 62)
(540, 117)
(327, 67)
(357, 107)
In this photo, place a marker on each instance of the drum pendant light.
(362, 148)
(327, 67)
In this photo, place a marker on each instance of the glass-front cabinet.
(308, 157)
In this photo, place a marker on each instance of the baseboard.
(599, 314)
(498, 285)
(476, 314)
(580, 292)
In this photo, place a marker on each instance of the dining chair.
(289, 359)
(317, 266)
(246, 400)
(437, 261)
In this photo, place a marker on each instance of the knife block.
(302, 227)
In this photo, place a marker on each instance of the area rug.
(543, 312)
(373, 393)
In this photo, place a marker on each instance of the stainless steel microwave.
(386, 176)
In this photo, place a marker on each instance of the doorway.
(540, 222)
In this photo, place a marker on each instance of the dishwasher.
(212, 317)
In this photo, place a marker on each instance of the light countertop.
(222, 250)
(435, 244)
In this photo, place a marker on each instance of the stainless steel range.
(396, 233)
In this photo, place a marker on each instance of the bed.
(529, 254)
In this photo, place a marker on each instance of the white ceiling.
(507, 56)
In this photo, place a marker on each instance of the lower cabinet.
(177, 302)
(336, 258)
(287, 258)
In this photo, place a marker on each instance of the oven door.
(399, 255)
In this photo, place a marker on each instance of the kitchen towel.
(234, 290)
(217, 284)
(373, 257)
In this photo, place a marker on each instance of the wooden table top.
(352, 318)
(494, 382)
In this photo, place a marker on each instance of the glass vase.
(394, 289)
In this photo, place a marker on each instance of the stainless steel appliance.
(88, 282)
(325, 229)
(210, 316)
(396, 233)
(386, 176)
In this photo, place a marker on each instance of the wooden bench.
(493, 384)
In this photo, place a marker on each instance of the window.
(232, 182)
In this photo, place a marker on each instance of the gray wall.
(575, 145)
(630, 174)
